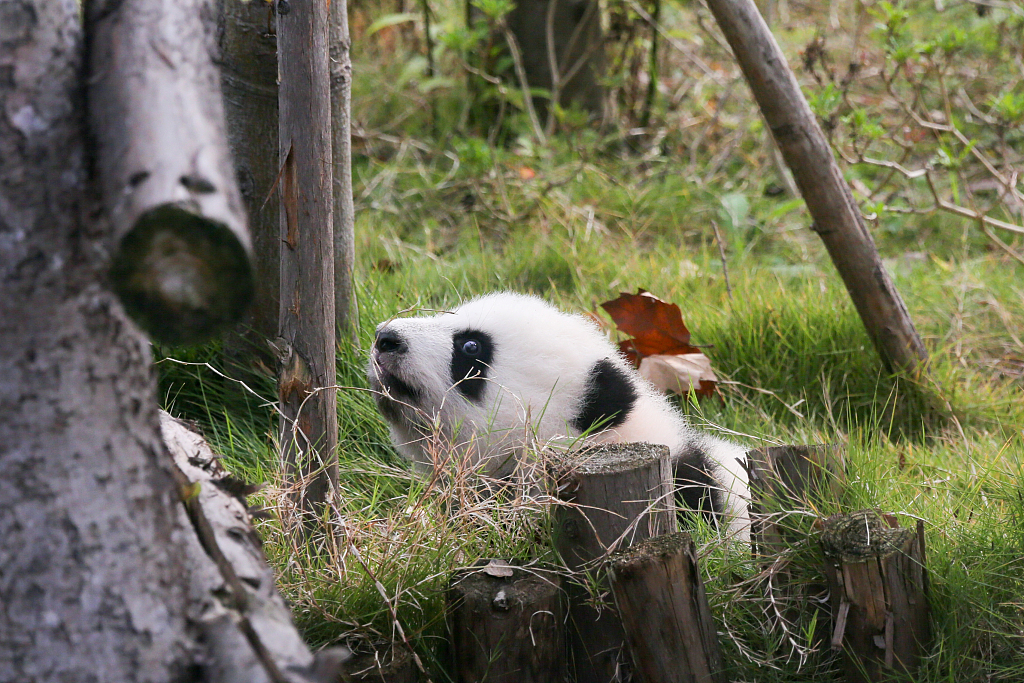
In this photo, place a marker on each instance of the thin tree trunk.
(248, 59)
(837, 219)
(103, 576)
(345, 310)
(562, 51)
(307, 372)
(652, 68)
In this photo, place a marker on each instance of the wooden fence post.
(307, 373)
(665, 613)
(879, 594)
(613, 495)
(506, 625)
(787, 476)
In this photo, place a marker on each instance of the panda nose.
(389, 341)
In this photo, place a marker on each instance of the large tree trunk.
(307, 374)
(103, 576)
(90, 569)
(837, 219)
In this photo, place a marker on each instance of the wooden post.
(306, 346)
(506, 625)
(664, 610)
(181, 263)
(879, 594)
(787, 477)
(345, 310)
(614, 495)
(784, 479)
(837, 219)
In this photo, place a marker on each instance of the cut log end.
(664, 610)
(609, 459)
(181, 276)
(879, 594)
(656, 549)
(506, 625)
(862, 535)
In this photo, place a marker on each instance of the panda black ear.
(608, 398)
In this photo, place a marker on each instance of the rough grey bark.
(307, 322)
(345, 310)
(248, 61)
(181, 262)
(837, 219)
(89, 572)
(103, 576)
(561, 38)
(242, 611)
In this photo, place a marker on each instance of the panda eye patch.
(472, 354)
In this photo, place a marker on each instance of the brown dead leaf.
(660, 345)
(655, 325)
(679, 373)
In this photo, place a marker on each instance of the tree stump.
(664, 610)
(879, 594)
(613, 495)
(785, 477)
(506, 625)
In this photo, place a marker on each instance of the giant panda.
(507, 372)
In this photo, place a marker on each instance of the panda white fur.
(506, 369)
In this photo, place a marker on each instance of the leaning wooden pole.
(181, 261)
(306, 324)
(837, 219)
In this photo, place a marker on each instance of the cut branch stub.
(181, 264)
(879, 594)
(664, 609)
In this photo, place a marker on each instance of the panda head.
(496, 373)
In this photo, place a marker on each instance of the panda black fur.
(506, 369)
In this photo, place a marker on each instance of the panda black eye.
(471, 347)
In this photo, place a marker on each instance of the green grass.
(799, 369)
(443, 215)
